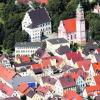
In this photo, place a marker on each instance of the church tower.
(80, 25)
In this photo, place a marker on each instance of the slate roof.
(58, 40)
(12, 98)
(24, 64)
(63, 49)
(97, 56)
(28, 44)
(30, 93)
(89, 48)
(38, 16)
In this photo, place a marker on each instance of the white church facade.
(37, 23)
(74, 29)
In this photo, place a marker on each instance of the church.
(74, 29)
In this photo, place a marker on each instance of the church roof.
(70, 25)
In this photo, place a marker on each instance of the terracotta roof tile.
(70, 25)
(6, 74)
(22, 87)
(42, 90)
(96, 67)
(97, 79)
(84, 64)
(71, 95)
(6, 89)
(75, 56)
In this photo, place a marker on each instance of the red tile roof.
(97, 79)
(75, 56)
(84, 63)
(22, 87)
(6, 89)
(80, 72)
(46, 62)
(70, 25)
(67, 81)
(37, 66)
(24, 58)
(71, 95)
(6, 74)
(91, 89)
(74, 76)
(96, 67)
(42, 90)
(42, 1)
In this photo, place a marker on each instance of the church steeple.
(80, 24)
(80, 12)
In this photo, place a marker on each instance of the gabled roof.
(42, 90)
(89, 48)
(41, 53)
(70, 25)
(80, 72)
(84, 64)
(97, 80)
(96, 67)
(91, 89)
(6, 74)
(74, 56)
(38, 17)
(22, 87)
(37, 66)
(24, 59)
(63, 49)
(71, 95)
(6, 89)
(49, 80)
(74, 76)
(67, 81)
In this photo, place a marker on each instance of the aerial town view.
(49, 49)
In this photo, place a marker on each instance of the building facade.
(37, 23)
(27, 48)
(74, 29)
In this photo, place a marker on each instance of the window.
(75, 36)
(71, 37)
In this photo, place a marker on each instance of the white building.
(74, 29)
(36, 23)
(97, 9)
(54, 44)
(27, 48)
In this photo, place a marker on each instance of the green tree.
(12, 16)
(74, 47)
(93, 22)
